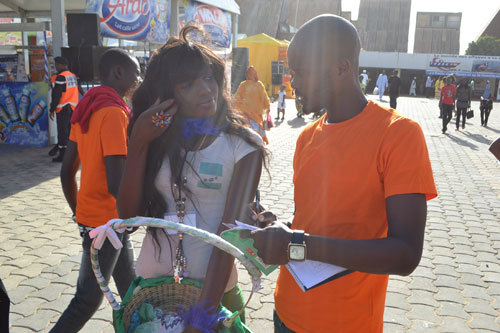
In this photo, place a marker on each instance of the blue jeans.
(279, 326)
(88, 296)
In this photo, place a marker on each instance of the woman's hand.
(149, 124)
(260, 216)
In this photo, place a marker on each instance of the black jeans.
(4, 308)
(88, 296)
(279, 326)
(393, 100)
(461, 112)
(63, 119)
(447, 115)
(485, 114)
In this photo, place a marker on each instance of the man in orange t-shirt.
(362, 176)
(98, 141)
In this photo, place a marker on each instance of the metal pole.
(174, 18)
(234, 22)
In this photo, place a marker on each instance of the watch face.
(297, 252)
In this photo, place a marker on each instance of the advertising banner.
(24, 113)
(215, 21)
(463, 65)
(140, 20)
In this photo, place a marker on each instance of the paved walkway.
(456, 288)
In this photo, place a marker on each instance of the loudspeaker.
(239, 67)
(277, 79)
(84, 61)
(83, 29)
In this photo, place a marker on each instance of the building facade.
(437, 33)
(383, 25)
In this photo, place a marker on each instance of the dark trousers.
(428, 91)
(393, 100)
(4, 308)
(88, 296)
(461, 112)
(279, 326)
(447, 115)
(485, 114)
(63, 119)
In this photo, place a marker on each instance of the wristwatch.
(297, 249)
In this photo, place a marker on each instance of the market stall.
(268, 56)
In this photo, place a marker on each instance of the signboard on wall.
(23, 113)
(471, 66)
(215, 21)
(140, 20)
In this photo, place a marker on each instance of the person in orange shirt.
(98, 141)
(252, 101)
(362, 176)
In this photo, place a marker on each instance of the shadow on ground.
(24, 168)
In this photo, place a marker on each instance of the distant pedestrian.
(64, 99)
(361, 84)
(251, 101)
(394, 87)
(413, 87)
(448, 102)
(485, 106)
(487, 90)
(428, 87)
(471, 84)
(281, 102)
(381, 84)
(464, 96)
(364, 81)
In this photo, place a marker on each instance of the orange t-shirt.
(342, 175)
(107, 135)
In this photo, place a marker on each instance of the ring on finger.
(161, 119)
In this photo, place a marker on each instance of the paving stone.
(452, 309)
(451, 324)
(28, 306)
(472, 279)
(484, 323)
(396, 316)
(447, 281)
(480, 306)
(400, 301)
(450, 295)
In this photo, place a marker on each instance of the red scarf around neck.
(96, 99)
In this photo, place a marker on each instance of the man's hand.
(51, 115)
(272, 243)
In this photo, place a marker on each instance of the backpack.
(462, 93)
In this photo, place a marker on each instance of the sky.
(476, 15)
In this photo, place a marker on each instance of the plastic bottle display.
(4, 115)
(36, 112)
(10, 104)
(24, 103)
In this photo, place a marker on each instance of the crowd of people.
(187, 151)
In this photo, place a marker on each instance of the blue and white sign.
(215, 21)
(133, 19)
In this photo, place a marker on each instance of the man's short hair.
(61, 61)
(112, 58)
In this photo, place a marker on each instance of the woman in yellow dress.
(252, 101)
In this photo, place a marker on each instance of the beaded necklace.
(180, 260)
